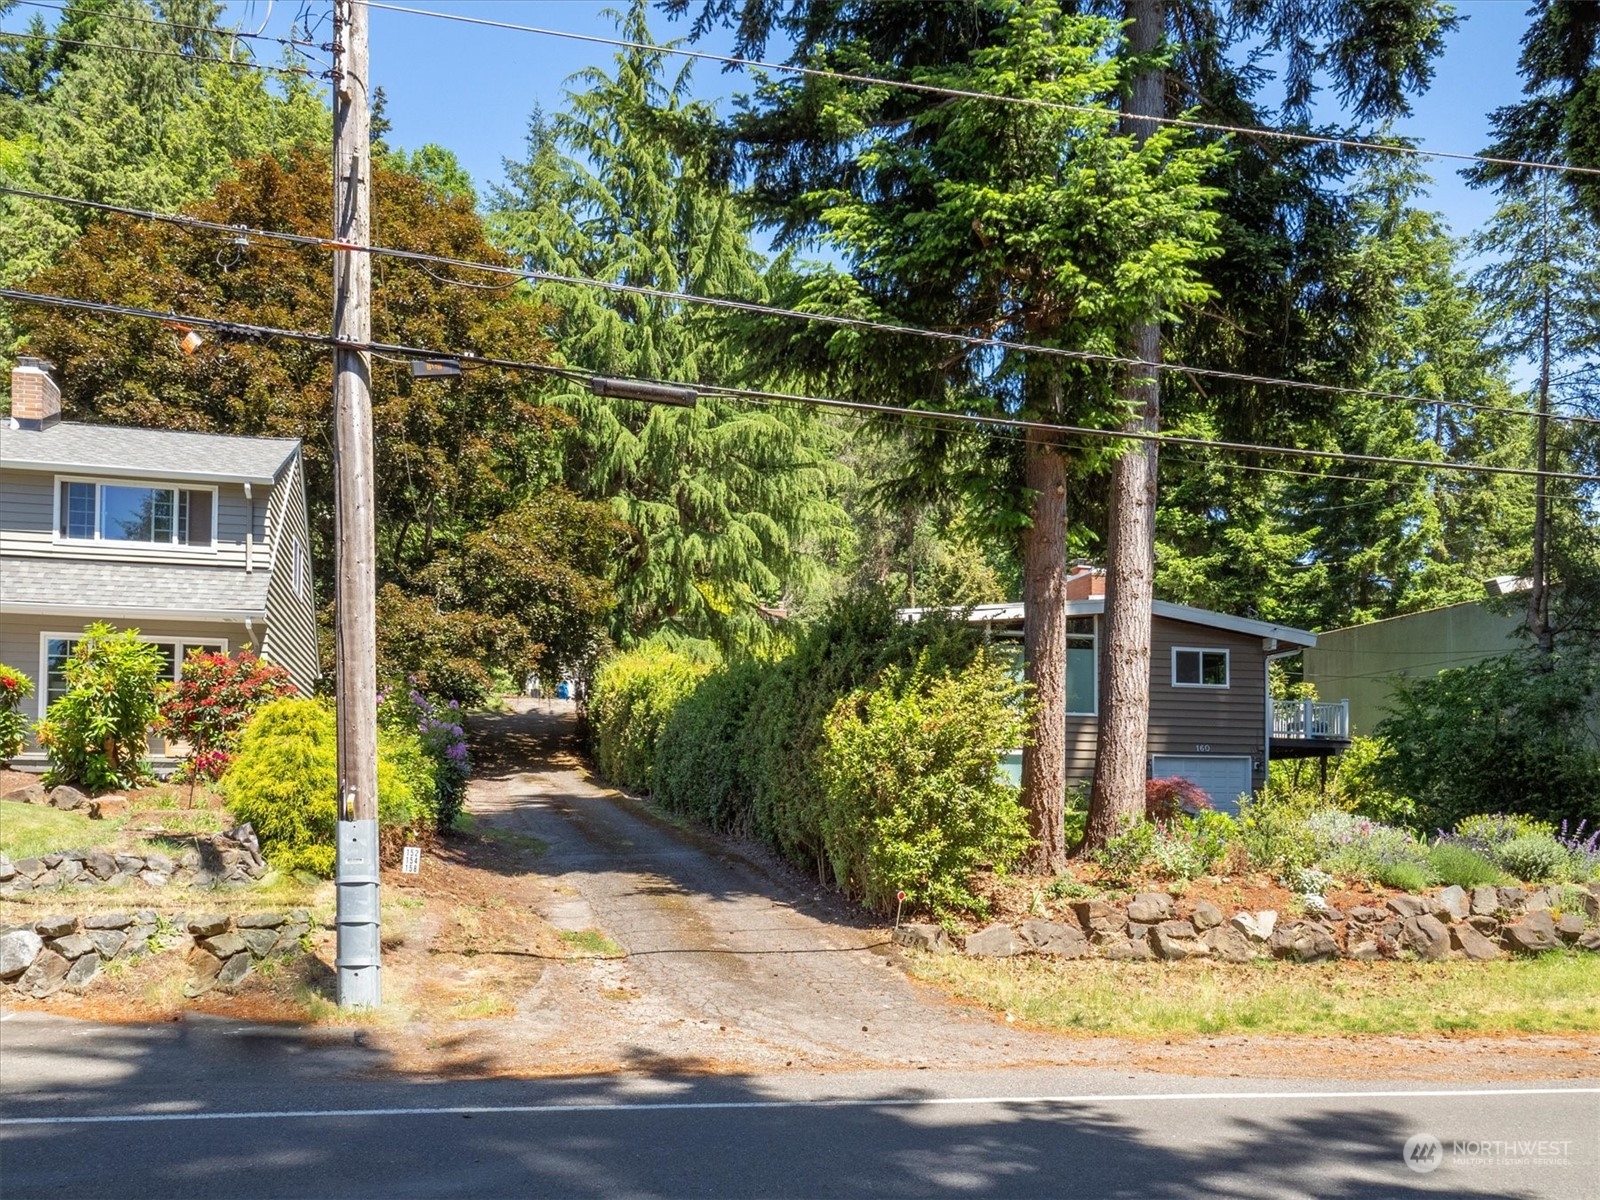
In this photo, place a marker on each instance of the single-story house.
(197, 540)
(1212, 719)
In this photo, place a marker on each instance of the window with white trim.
(58, 649)
(1083, 667)
(297, 568)
(1199, 667)
(135, 513)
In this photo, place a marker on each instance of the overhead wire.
(767, 310)
(296, 45)
(933, 89)
(248, 64)
(470, 359)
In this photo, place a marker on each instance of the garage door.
(1223, 777)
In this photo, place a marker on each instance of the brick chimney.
(35, 398)
(1085, 582)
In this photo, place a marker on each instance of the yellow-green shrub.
(284, 781)
(633, 696)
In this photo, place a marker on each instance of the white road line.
(734, 1105)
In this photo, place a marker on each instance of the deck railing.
(1311, 719)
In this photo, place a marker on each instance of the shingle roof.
(95, 588)
(1002, 614)
(145, 453)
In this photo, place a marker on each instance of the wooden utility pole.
(354, 532)
(1123, 734)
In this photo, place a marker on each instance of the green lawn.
(1555, 993)
(28, 830)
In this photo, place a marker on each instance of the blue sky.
(472, 88)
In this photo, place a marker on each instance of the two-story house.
(1212, 717)
(197, 540)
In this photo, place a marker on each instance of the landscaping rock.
(30, 868)
(1366, 914)
(1406, 907)
(1426, 936)
(996, 941)
(1176, 940)
(271, 920)
(1454, 903)
(74, 945)
(261, 941)
(139, 939)
(931, 938)
(67, 798)
(1589, 900)
(1124, 950)
(8, 870)
(1511, 898)
(1465, 938)
(107, 807)
(1054, 938)
(235, 969)
(82, 971)
(18, 949)
(1099, 920)
(1139, 933)
(153, 878)
(1303, 942)
(56, 925)
(108, 942)
(1206, 916)
(1228, 944)
(1485, 901)
(1539, 900)
(1487, 926)
(101, 865)
(208, 924)
(1257, 926)
(1570, 927)
(110, 920)
(29, 793)
(46, 976)
(1534, 933)
(129, 864)
(203, 970)
(1365, 950)
(1589, 940)
(225, 945)
(289, 938)
(160, 862)
(1150, 908)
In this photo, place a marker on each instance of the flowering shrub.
(15, 687)
(1181, 848)
(96, 733)
(1361, 848)
(438, 729)
(1583, 851)
(210, 704)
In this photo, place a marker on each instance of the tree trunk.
(1123, 734)
(1044, 596)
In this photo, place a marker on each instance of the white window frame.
(1094, 633)
(181, 645)
(1227, 665)
(152, 484)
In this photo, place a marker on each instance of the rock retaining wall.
(214, 861)
(65, 951)
(1480, 925)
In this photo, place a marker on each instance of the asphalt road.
(210, 1108)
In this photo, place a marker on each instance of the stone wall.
(209, 861)
(1480, 925)
(65, 951)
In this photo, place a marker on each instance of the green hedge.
(741, 746)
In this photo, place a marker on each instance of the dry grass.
(1555, 993)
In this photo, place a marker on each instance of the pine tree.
(726, 499)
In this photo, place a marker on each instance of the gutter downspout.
(249, 532)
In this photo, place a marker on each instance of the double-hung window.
(57, 650)
(1199, 668)
(135, 513)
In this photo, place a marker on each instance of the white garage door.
(1223, 777)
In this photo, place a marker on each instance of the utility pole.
(356, 869)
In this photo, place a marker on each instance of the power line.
(248, 64)
(244, 329)
(296, 45)
(964, 94)
(767, 310)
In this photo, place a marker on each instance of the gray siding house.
(197, 540)
(1212, 719)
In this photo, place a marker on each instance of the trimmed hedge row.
(869, 753)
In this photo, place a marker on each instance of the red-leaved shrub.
(209, 705)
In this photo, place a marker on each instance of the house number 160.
(1202, 747)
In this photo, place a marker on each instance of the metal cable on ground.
(964, 94)
(525, 273)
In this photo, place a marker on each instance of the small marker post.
(899, 902)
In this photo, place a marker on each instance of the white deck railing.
(1311, 719)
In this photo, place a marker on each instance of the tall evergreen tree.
(725, 498)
